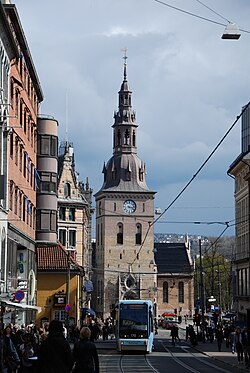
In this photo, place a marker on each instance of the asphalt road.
(165, 358)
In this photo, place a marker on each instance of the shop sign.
(59, 300)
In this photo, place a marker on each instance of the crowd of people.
(234, 338)
(31, 350)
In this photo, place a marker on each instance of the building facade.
(75, 218)
(175, 278)
(8, 52)
(240, 170)
(25, 95)
(124, 255)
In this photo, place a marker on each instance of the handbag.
(12, 364)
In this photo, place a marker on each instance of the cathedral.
(125, 266)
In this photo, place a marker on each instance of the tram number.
(133, 335)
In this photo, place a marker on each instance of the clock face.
(129, 206)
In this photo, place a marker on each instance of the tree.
(217, 275)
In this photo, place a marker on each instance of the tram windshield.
(133, 321)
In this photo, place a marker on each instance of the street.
(168, 358)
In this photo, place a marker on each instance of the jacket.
(54, 355)
(86, 357)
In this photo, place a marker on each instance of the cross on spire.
(125, 61)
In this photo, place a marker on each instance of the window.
(11, 145)
(48, 182)
(48, 145)
(25, 121)
(16, 102)
(16, 150)
(62, 236)
(46, 220)
(165, 292)
(54, 146)
(15, 201)
(60, 315)
(21, 113)
(181, 292)
(120, 233)
(31, 135)
(138, 234)
(44, 145)
(72, 238)
(62, 213)
(72, 212)
(66, 190)
(11, 195)
(22, 205)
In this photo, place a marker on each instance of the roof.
(54, 258)
(121, 164)
(172, 258)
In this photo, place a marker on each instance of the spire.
(125, 121)
(125, 63)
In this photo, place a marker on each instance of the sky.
(188, 85)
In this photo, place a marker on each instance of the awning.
(20, 305)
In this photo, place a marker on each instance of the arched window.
(126, 137)
(165, 292)
(181, 292)
(120, 233)
(133, 138)
(66, 190)
(138, 234)
(118, 137)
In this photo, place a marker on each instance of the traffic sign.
(19, 295)
(67, 307)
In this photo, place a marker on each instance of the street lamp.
(231, 32)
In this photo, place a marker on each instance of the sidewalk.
(211, 349)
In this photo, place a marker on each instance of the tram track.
(194, 356)
(130, 363)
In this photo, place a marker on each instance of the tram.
(134, 325)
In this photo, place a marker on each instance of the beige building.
(240, 171)
(75, 217)
(175, 278)
(124, 212)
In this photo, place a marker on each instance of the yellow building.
(58, 284)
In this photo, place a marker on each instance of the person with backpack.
(85, 354)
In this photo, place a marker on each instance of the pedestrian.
(54, 354)
(11, 356)
(155, 326)
(174, 334)
(238, 345)
(245, 346)
(85, 354)
(219, 337)
(26, 352)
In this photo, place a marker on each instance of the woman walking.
(85, 354)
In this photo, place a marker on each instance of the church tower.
(125, 267)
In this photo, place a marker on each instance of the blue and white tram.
(135, 326)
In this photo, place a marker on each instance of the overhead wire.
(196, 15)
(212, 10)
(191, 180)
